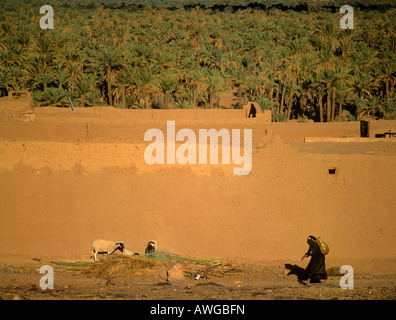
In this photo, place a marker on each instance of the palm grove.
(298, 63)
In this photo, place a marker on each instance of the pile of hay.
(124, 266)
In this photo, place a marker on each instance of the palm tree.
(373, 104)
(193, 82)
(344, 45)
(109, 60)
(242, 82)
(327, 79)
(144, 81)
(327, 31)
(362, 83)
(23, 36)
(282, 79)
(213, 58)
(164, 59)
(123, 84)
(388, 109)
(19, 76)
(167, 82)
(93, 98)
(61, 78)
(74, 70)
(83, 87)
(364, 57)
(52, 97)
(10, 54)
(214, 83)
(320, 94)
(387, 76)
(144, 54)
(294, 91)
(45, 49)
(319, 91)
(42, 80)
(342, 94)
(7, 82)
(35, 66)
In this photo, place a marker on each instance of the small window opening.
(332, 170)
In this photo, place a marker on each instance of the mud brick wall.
(12, 115)
(380, 126)
(17, 107)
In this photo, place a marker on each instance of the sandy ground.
(67, 179)
(20, 281)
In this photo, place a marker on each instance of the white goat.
(105, 247)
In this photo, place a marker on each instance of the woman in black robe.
(316, 269)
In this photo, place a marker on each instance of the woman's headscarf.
(311, 240)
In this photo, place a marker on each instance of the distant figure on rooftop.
(251, 109)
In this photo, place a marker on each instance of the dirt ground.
(69, 178)
(20, 281)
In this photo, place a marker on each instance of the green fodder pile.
(166, 256)
(66, 265)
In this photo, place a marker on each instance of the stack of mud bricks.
(17, 106)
